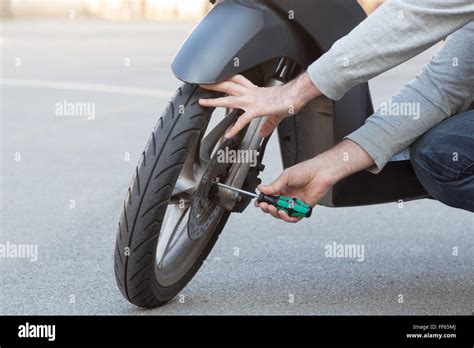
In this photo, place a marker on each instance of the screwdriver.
(292, 206)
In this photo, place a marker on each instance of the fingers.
(224, 102)
(277, 186)
(264, 207)
(273, 211)
(237, 89)
(242, 121)
(243, 81)
(285, 217)
(227, 87)
(268, 209)
(236, 85)
(278, 214)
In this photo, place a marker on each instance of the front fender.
(236, 36)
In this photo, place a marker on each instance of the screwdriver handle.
(292, 206)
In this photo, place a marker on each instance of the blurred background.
(120, 9)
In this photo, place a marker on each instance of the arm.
(396, 31)
(444, 88)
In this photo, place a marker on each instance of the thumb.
(277, 186)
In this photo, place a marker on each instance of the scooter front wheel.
(157, 250)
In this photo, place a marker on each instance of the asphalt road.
(64, 195)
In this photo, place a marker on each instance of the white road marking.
(87, 87)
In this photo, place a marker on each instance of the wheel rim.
(176, 251)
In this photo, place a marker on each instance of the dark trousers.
(443, 159)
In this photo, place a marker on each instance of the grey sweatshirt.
(397, 31)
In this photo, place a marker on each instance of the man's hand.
(303, 181)
(275, 102)
(310, 180)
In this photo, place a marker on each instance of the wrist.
(326, 170)
(303, 90)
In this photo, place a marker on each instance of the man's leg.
(443, 159)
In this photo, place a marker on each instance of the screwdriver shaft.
(237, 190)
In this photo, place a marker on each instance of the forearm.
(343, 160)
(395, 32)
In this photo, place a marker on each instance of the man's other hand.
(274, 102)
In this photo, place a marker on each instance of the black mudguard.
(236, 36)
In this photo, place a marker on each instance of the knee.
(434, 158)
(443, 160)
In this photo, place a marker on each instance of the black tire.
(146, 202)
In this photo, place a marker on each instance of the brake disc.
(205, 212)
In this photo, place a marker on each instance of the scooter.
(173, 213)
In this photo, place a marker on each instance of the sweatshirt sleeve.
(397, 31)
(445, 87)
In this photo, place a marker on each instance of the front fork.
(252, 142)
